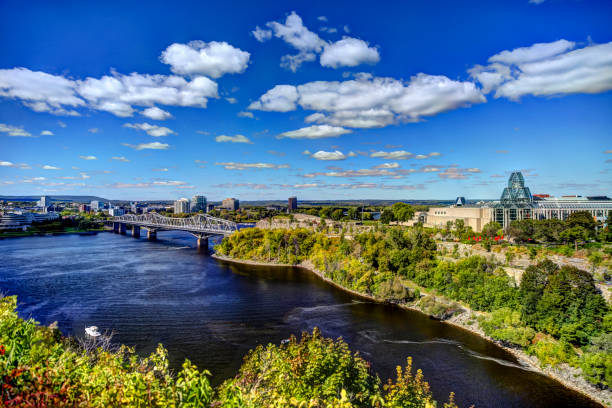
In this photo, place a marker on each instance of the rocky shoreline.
(568, 376)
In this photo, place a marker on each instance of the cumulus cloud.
(281, 98)
(151, 130)
(116, 93)
(294, 33)
(394, 155)
(14, 131)
(48, 167)
(22, 166)
(244, 166)
(393, 165)
(88, 157)
(261, 34)
(213, 59)
(323, 155)
(315, 132)
(120, 158)
(547, 69)
(367, 102)
(156, 113)
(246, 115)
(232, 139)
(456, 173)
(348, 52)
(150, 146)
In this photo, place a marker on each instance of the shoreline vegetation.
(502, 324)
(39, 367)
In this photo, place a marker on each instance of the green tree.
(386, 216)
(491, 229)
(402, 211)
(582, 219)
(337, 214)
(574, 234)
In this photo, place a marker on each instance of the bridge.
(201, 226)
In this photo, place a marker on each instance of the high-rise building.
(198, 203)
(181, 206)
(44, 201)
(292, 204)
(95, 205)
(230, 204)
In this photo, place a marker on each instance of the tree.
(337, 214)
(386, 216)
(491, 229)
(459, 226)
(402, 211)
(574, 235)
(582, 219)
(352, 213)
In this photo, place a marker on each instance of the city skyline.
(309, 101)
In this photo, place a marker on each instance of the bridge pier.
(135, 231)
(203, 243)
(151, 235)
(116, 227)
(122, 228)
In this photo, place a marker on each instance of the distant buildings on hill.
(515, 203)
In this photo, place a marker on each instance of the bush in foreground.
(40, 368)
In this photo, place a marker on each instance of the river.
(213, 313)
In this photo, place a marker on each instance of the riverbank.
(568, 376)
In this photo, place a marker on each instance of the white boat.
(92, 331)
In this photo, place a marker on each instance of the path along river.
(213, 313)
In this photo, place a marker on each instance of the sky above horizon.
(321, 100)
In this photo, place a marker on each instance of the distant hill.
(64, 198)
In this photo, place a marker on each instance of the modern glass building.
(198, 203)
(517, 203)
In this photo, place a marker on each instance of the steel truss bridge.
(201, 225)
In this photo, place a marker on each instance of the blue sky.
(323, 100)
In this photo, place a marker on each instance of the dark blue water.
(213, 313)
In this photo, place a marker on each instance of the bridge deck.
(200, 223)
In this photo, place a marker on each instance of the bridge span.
(201, 226)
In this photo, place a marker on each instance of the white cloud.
(315, 132)
(88, 157)
(94, 130)
(420, 156)
(323, 155)
(306, 152)
(393, 165)
(536, 1)
(116, 93)
(14, 131)
(348, 52)
(281, 98)
(243, 166)
(213, 59)
(160, 169)
(232, 100)
(61, 124)
(152, 130)
(354, 173)
(156, 113)
(6, 164)
(394, 155)
(330, 30)
(261, 35)
(368, 101)
(232, 139)
(246, 115)
(40, 91)
(120, 158)
(151, 146)
(322, 18)
(48, 167)
(547, 69)
(22, 166)
(294, 33)
(46, 133)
